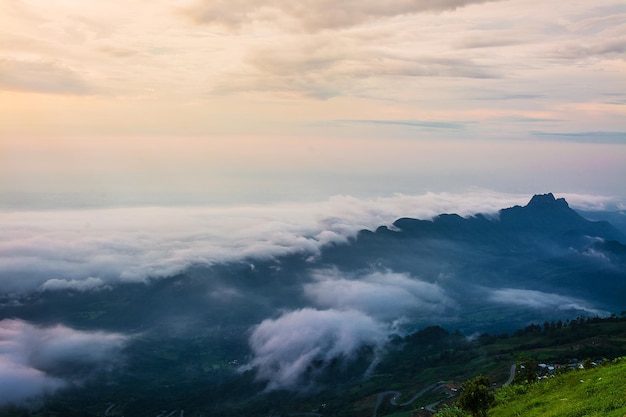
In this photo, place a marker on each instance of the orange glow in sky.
(262, 101)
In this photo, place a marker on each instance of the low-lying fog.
(219, 264)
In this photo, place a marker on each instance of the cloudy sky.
(210, 101)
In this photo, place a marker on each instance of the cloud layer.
(128, 68)
(89, 249)
(35, 361)
(542, 300)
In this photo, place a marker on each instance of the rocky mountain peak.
(543, 201)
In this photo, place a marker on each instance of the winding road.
(397, 394)
(511, 376)
(429, 407)
(379, 400)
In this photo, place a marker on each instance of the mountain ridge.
(543, 213)
(544, 246)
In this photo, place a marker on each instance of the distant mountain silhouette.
(544, 214)
(544, 246)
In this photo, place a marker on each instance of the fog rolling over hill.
(279, 313)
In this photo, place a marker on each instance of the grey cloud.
(312, 15)
(523, 119)
(325, 54)
(591, 203)
(489, 40)
(424, 124)
(599, 19)
(20, 383)
(353, 312)
(40, 76)
(80, 285)
(118, 52)
(541, 300)
(577, 51)
(325, 67)
(585, 137)
(618, 102)
(33, 359)
(385, 295)
(226, 295)
(508, 96)
(447, 67)
(597, 255)
(286, 349)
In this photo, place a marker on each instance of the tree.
(476, 397)
(526, 370)
(447, 411)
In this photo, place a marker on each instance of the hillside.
(597, 392)
(433, 356)
(432, 361)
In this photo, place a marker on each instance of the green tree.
(476, 396)
(526, 370)
(447, 411)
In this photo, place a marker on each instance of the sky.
(173, 102)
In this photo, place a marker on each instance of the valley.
(388, 323)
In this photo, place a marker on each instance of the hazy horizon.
(203, 102)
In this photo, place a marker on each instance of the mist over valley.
(291, 301)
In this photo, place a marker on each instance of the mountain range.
(278, 324)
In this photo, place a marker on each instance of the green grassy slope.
(597, 392)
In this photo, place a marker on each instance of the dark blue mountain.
(543, 246)
(543, 215)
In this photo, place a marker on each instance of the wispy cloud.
(312, 15)
(384, 295)
(319, 66)
(80, 285)
(304, 342)
(541, 300)
(604, 47)
(35, 361)
(523, 119)
(41, 76)
(585, 137)
(423, 124)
